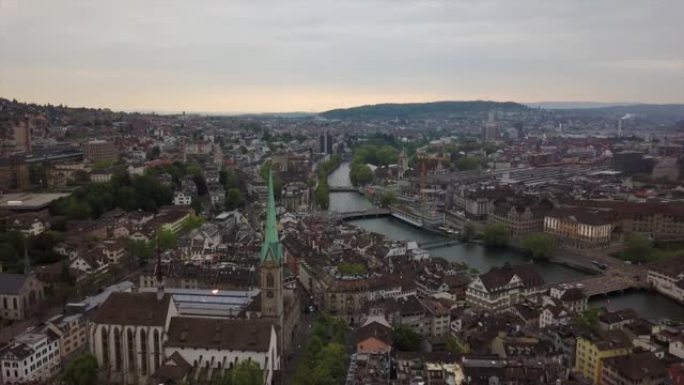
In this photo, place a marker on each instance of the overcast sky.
(292, 55)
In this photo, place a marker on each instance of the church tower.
(271, 271)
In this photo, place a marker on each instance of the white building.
(127, 335)
(220, 344)
(667, 277)
(503, 287)
(181, 199)
(33, 357)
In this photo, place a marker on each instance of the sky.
(234, 56)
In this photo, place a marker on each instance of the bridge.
(438, 244)
(606, 284)
(333, 189)
(374, 212)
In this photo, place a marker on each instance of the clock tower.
(271, 269)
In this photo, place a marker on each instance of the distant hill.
(420, 110)
(665, 112)
(575, 105)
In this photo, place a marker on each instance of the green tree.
(455, 345)
(82, 370)
(495, 235)
(140, 250)
(167, 239)
(637, 248)
(388, 198)
(387, 155)
(78, 210)
(196, 205)
(244, 373)
(467, 163)
(322, 194)
(540, 245)
(234, 199)
(405, 339)
(360, 174)
(467, 232)
(588, 319)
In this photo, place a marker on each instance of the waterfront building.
(521, 216)
(503, 287)
(667, 277)
(580, 228)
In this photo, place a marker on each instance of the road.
(291, 360)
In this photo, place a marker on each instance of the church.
(152, 337)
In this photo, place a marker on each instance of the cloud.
(176, 52)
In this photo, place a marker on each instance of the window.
(157, 353)
(130, 345)
(269, 280)
(14, 301)
(117, 350)
(143, 352)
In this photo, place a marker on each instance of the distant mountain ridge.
(420, 110)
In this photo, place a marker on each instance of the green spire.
(271, 249)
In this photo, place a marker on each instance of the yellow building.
(590, 350)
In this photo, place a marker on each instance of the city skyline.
(313, 56)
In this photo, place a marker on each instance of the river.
(482, 258)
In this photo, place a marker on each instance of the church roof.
(135, 309)
(271, 250)
(252, 335)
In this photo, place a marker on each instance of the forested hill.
(420, 110)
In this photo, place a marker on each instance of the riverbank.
(482, 258)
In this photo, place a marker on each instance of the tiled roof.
(208, 333)
(140, 309)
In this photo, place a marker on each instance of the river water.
(648, 304)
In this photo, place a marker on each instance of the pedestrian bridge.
(438, 244)
(333, 189)
(374, 212)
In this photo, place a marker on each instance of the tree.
(588, 319)
(140, 250)
(387, 155)
(322, 194)
(467, 163)
(467, 232)
(234, 199)
(540, 245)
(360, 174)
(167, 239)
(388, 198)
(637, 248)
(455, 345)
(405, 339)
(244, 373)
(196, 205)
(82, 370)
(495, 235)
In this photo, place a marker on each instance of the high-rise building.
(99, 150)
(325, 143)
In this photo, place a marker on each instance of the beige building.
(580, 228)
(71, 330)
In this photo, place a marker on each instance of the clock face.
(269, 294)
